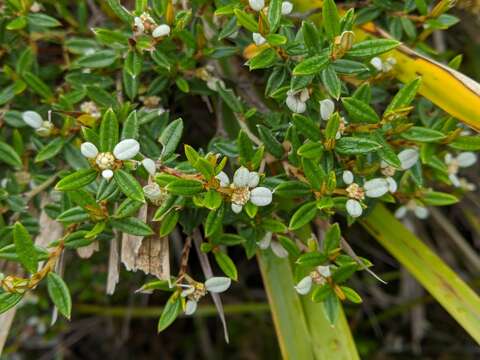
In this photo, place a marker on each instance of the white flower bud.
(253, 179)
(408, 158)
(324, 271)
(278, 250)
(153, 191)
(401, 212)
(241, 177)
(126, 149)
(327, 107)
(265, 242)
(223, 178)
(32, 119)
(354, 209)
(256, 5)
(466, 159)
(107, 174)
(304, 286)
(258, 39)
(161, 30)
(287, 7)
(149, 165)
(295, 105)
(421, 212)
(377, 63)
(236, 208)
(376, 187)
(347, 177)
(217, 284)
(190, 307)
(45, 129)
(392, 184)
(261, 196)
(89, 150)
(304, 95)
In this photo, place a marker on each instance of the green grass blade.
(302, 328)
(441, 281)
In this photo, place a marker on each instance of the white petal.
(303, 287)
(149, 165)
(347, 177)
(376, 187)
(258, 39)
(392, 184)
(32, 119)
(241, 177)
(188, 291)
(354, 209)
(256, 5)
(278, 250)
(448, 158)
(190, 307)
(126, 149)
(327, 107)
(89, 150)
(401, 212)
(304, 95)
(161, 30)
(223, 178)
(237, 209)
(293, 103)
(139, 24)
(261, 196)
(421, 212)
(218, 284)
(408, 158)
(466, 159)
(107, 174)
(287, 7)
(454, 180)
(377, 63)
(253, 179)
(265, 242)
(324, 271)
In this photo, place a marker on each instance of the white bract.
(277, 248)
(244, 189)
(296, 101)
(420, 211)
(258, 39)
(408, 158)
(124, 150)
(161, 30)
(256, 5)
(454, 163)
(287, 7)
(327, 107)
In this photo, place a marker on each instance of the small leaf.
(351, 295)
(129, 185)
(170, 312)
(99, 59)
(405, 96)
(8, 155)
(312, 259)
(77, 180)
(422, 134)
(120, 11)
(359, 111)
(371, 48)
(263, 60)
(331, 19)
(169, 221)
(37, 85)
(246, 20)
(50, 150)
(356, 145)
(332, 238)
(332, 82)
(171, 136)
(293, 189)
(312, 65)
(331, 304)
(108, 131)
(25, 248)
(59, 293)
(132, 225)
(274, 14)
(303, 215)
(466, 143)
(8, 301)
(437, 198)
(226, 264)
(184, 187)
(213, 223)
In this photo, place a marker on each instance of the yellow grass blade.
(439, 279)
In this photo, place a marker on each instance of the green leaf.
(132, 225)
(349, 67)
(292, 189)
(170, 312)
(289, 245)
(50, 150)
(171, 136)
(42, 20)
(437, 198)
(466, 143)
(359, 111)
(312, 65)
(129, 185)
(8, 301)
(246, 20)
(263, 60)
(332, 238)
(331, 19)
(272, 145)
(274, 14)
(75, 214)
(77, 180)
(184, 187)
(9, 156)
(37, 85)
(214, 220)
(356, 145)
(371, 48)
(120, 11)
(108, 131)
(59, 293)
(422, 134)
(331, 305)
(226, 264)
(312, 259)
(311, 150)
(331, 81)
(307, 127)
(161, 59)
(99, 59)
(351, 295)
(230, 99)
(405, 96)
(245, 146)
(303, 215)
(130, 126)
(169, 221)
(25, 248)
(18, 23)
(212, 200)
(311, 37)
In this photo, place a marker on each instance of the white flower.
(276, 247)
(107, 174)
(161, 30)
(408, 158)
(354, 208)
(149, 165)
(126, 149)
(256, 5)
(376, 187)
(218, 284)
(304, 286)
(287, 7)
(32, 119)
(347, 177)
(420, 211)
(327, 107)
(258, 39)
(463, 160)
(296, 101)
(89, 150)
(377, 63)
